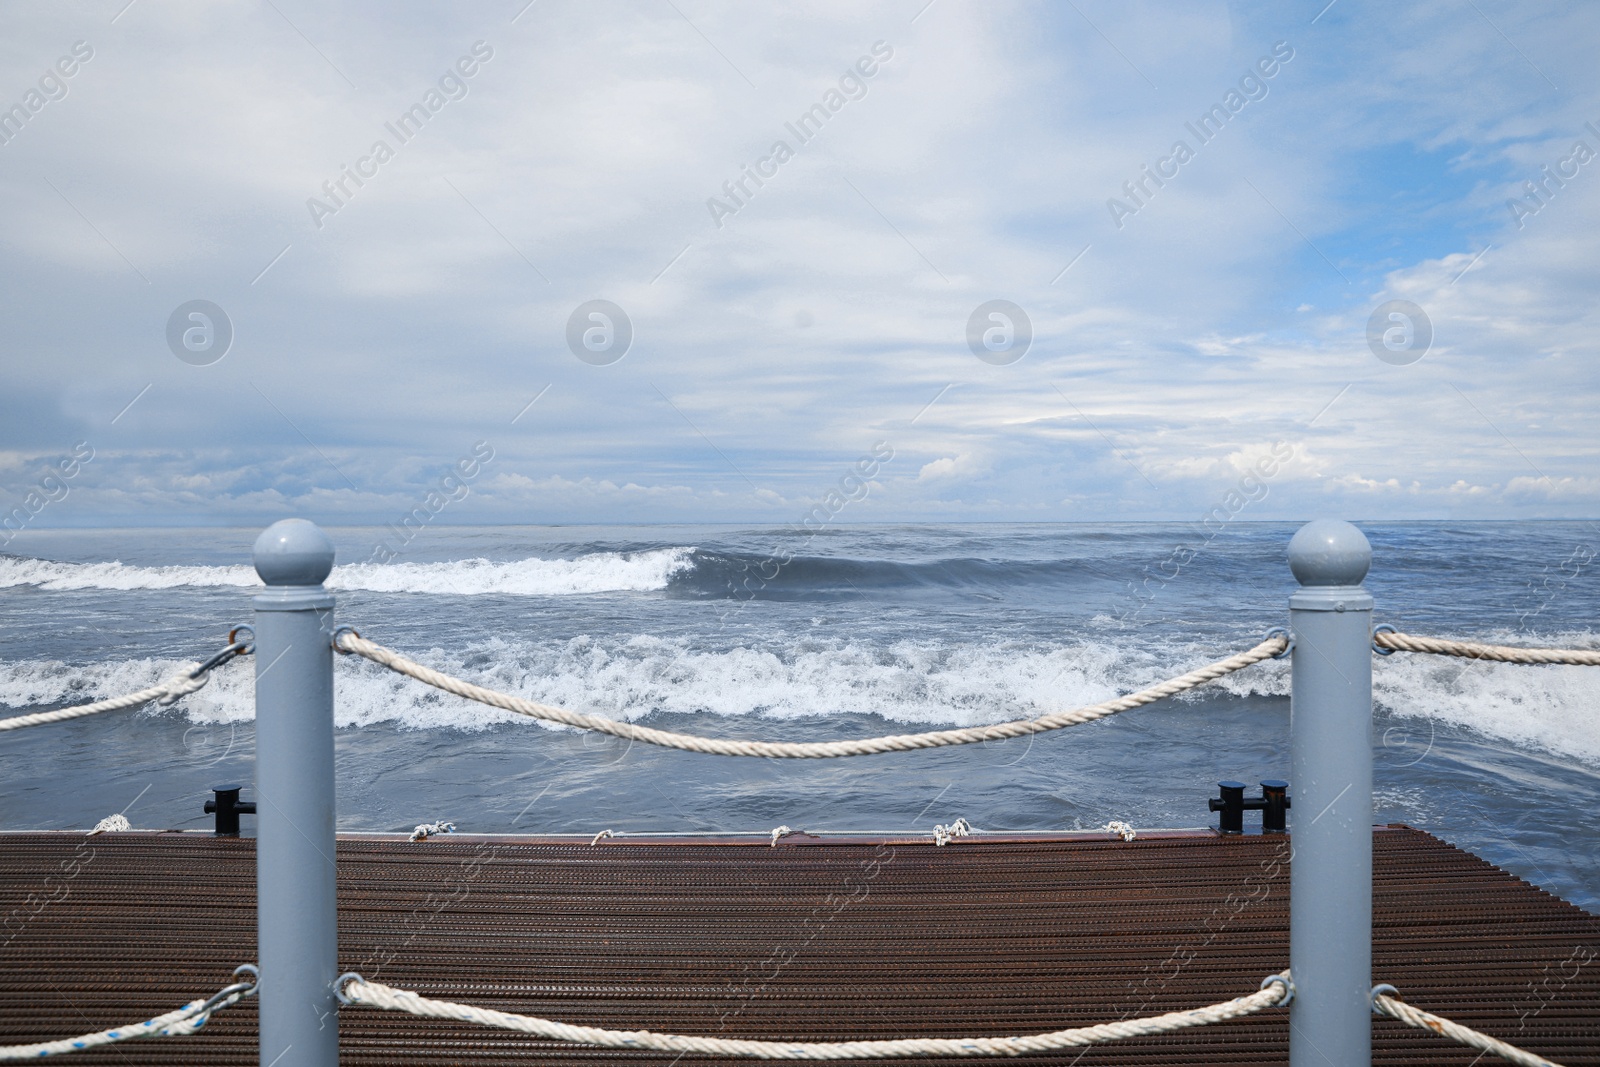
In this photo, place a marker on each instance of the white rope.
(1470, 650)
(353, 989)
(185, 1020)
(782, 831)
(349, 641)
(1121, 829)
(428, 829)
(111, 824)
(943, 835)
(601, 836)
(168, 691)
(1399, 1009)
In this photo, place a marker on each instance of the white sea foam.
(1550, 707)
(1545, 708)
(49, 574)
(599, 572)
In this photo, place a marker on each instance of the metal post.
(1330, 924)
(296, 923)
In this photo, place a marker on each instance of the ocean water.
(857, 630)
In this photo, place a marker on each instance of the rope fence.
(180, 1023)
(353, 989)
(1386, 639)
(1276, 990)
(189, 680)
(348, 641)
(1392, 1006)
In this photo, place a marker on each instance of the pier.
(818, 939)
(1121, 946)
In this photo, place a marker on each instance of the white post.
(296, 927)
(1330, 888)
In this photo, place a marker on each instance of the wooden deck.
(816, 938)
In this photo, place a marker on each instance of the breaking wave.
(918, 683)
(598, 572)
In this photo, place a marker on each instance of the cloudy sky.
(402, 213)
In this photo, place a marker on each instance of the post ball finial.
(1329, 552)
(293, 552)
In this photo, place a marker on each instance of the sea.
(781, 633)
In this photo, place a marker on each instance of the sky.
(906, 261)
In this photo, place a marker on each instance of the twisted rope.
(1471, 650)
(1121, 829)
(350, 642)
(353, 989)
(943, 835)
(185, 1020)
(189, 680)
(1399, 1009)
(178, 685)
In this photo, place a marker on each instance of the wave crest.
(597, 572)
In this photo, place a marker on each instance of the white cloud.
(822, 317)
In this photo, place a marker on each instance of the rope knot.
(1121, 829)
(943, 835)
(782, 831)
(428, 829)
(181, 685)
(111, 824)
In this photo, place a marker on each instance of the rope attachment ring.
(1286, 980)
(1382, 989)
(344, 980)
(235, 647)
(340, 632)
(235, 992)
(243, 628)
(1383, 650)
(1288, 640)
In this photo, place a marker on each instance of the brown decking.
(814, 939)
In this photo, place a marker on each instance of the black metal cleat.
(228, 807)
(1273, 803)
